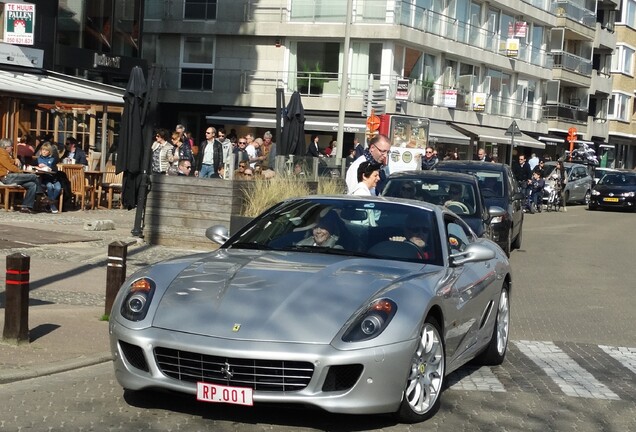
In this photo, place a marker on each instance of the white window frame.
(624, 13)
(617, 101)
(183, 64)
(619, 59)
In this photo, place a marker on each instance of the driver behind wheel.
(415, 232)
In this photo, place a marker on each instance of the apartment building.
(622, 108)
(470, 66)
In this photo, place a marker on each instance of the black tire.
(516, 244)
(495, 352)
(425, 379)
(587, 198)
(507, 247)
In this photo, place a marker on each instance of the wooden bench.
(8, 192)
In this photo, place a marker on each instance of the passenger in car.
(323, 233)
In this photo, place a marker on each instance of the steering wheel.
(456, 205)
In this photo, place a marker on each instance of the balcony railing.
(571, 62)
(365, 12)
(313, 84)
(567, 9)
(565, 112)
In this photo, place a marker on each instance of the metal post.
(344, 82)
(115, 272)
(16, 311)
(280, 104)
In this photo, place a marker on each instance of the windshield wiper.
(324, 249)
(249, 245)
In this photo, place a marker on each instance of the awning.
(498, 136)
(53, 85)
(552, 140)
(268, 120)
(444, 134)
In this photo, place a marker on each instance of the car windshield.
(550, 168)
(618, 179)
(458, 196)
(344, 227)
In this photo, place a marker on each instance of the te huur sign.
(19, 23)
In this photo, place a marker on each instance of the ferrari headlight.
(372, 321)
(595, 192)
(137, 301)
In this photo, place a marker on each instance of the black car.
(458, 192)
(500, 189)
(615, 190)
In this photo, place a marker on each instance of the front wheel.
(495, 351)
(425, 380)
(587, 197)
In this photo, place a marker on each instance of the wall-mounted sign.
(512, 47)
(402, 90)
(19, 23)
(518, 30)
(449, 98)
(479, 101)
(106, 61)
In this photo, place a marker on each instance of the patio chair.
(80, 190)
(111, 184)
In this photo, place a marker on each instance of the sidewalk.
(67, 287)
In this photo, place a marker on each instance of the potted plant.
(311, 79)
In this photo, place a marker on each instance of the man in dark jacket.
(74, 151)
(210, 157)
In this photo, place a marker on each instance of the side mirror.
(496, 212)
(474, 252)
(218, 234)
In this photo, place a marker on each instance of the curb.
(63, 366)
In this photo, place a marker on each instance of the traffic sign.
(513, 129)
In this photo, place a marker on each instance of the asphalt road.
(571, 364)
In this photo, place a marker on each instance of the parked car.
(579, 182)
(438, 188)
(599, 172)
(499, 188)
(367, 325)
(615, 190)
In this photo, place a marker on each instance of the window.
(619, 107)
(623, 60)
(628, 14)
(199, 10)
(314, 63)
(197, 63)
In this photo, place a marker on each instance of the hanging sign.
(19, 23)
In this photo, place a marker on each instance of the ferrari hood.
(273, 296)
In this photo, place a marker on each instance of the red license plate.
(224, 394)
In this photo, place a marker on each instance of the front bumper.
(378, 389)
(623, 202)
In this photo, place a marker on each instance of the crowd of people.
(176, 153)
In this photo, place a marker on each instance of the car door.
(469, 288)
(578, 184)
(516, 203)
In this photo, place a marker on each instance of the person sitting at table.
(74, 152)
(47, 161)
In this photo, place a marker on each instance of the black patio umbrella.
(130, 148)
(293, 137)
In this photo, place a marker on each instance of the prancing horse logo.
(227, 371)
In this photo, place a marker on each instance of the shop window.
(200, 9)
(197, 63)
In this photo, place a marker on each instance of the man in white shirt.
(379, 147)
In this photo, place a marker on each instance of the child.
(536, 191)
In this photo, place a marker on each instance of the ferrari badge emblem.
(236, 328)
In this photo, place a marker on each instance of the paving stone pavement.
(67, 286)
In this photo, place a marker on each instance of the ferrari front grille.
(263, 375)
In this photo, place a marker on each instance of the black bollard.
(16, 310)
(115, 273)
